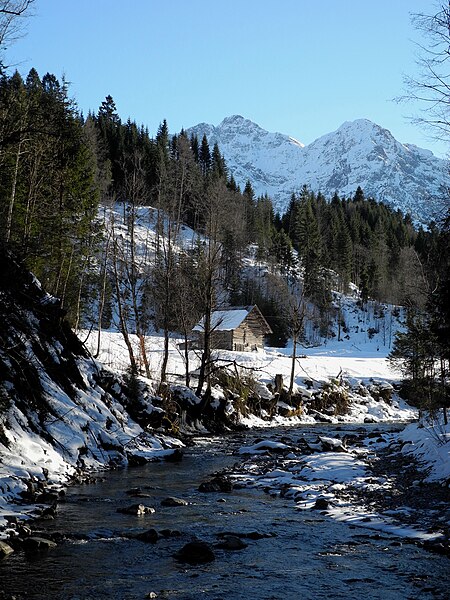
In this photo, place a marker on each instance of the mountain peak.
(238, 122)
(359, 153)
(232, 120)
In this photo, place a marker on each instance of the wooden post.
(278, 383)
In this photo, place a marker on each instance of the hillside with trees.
(152, 309)
(63, 172)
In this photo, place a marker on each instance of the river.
(308, 556)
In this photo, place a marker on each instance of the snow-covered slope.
(359, 153)
(61, 412)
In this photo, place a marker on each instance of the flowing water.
(309, 556)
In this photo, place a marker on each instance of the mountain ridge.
(359, 153)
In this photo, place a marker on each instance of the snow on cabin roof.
(225, 320)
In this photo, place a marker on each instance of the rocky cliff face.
(359, 153)
(61, 412)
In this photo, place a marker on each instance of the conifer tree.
(195, 148)
(204, 156)
(218, 166)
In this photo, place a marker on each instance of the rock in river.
(217, 484)
(172, 501)
(37, 544)
(136, 509)
(231, 542)
(150, 536)
(5, 549)
(321, 504)
(195, 553)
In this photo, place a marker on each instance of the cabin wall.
(247, 337)
(219, 340)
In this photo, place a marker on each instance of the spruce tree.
(204, 156)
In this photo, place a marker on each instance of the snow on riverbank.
(82, 433)
(363, 371)
(429, 443)
(336, 483)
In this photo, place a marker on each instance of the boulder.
(24, 531)
(195, 553)
(48, 513)
(175, 456)
(172, 501)
(370, 419)
(256, 535)
(138, 493)
(168, 533)
(136, 460)
(217, 484)
(332, 444)
(321, 504)
(231, 542)
(5, 549)
(150, 537)
(136, 509)
(439, 546)
(37, 544)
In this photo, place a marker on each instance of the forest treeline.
(59, 169)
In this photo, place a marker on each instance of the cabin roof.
(229, 319)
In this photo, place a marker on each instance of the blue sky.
(301, 67)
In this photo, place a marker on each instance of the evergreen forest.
(60, 170)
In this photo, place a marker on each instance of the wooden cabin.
(239, 328)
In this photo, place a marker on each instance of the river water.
(309, 556)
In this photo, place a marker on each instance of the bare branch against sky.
(430, 87)
(12, 20)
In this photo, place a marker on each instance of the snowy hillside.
(61, 413)
(354, 351)
(359, 153)
(371, 327)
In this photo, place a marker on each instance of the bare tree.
(292, 304)
(209, 262)
(121, 307)
(136, 191)
(174, 182)
(12, 15)
(186, 304)
(431, 87)
(297, 315)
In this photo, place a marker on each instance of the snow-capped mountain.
(359, 153)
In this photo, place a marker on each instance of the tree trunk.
(66, 279)
(13, 195)
(186, 359)
(122, 321)
(165, 359)
(101, 305)
(294, 357)
(134, 296)
(206, 354)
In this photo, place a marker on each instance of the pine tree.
(195, 148)
(218, 166)
(108, 111)
(309, 244)
(344, 252)
(204, 156)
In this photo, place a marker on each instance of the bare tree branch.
(15, 8)
(12, 15)
(431, 87)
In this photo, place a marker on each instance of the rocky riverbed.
(233, 524)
